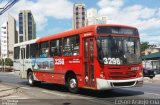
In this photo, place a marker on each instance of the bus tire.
(31, 81)
(72, 84)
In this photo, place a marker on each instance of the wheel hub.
(73, 83)
(30, 79)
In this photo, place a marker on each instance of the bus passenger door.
(88, 55)
(22, 64)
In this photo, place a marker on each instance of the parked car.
(148, 73)
(6, 68)
(157, 71)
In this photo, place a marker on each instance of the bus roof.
(91, 28)
(26, 42)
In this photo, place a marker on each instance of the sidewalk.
(6, 90)
(12, 92)
(157, 76)
(155, 79)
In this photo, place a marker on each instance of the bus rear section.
(22, 58)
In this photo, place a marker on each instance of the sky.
(54, 16)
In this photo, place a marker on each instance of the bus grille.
(122, 75)
(123, 83)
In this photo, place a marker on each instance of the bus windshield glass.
(118, 50)
(117, 30)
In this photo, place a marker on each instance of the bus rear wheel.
(72, 84)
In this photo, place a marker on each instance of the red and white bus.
(98, 57)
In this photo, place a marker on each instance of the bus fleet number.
(111, 60)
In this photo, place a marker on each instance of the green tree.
(144, 45)
(1, 61)
(8, 62)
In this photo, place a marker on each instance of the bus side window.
(71, 46)
(27, 52)
(44, 51)
(55, 47)
(76, 45)
(23, 53)
(16, 52)
(33, 50)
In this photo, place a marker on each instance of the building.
(151, 50)
(4, 39)
(91, 16)
(8, 33)
(78, 15)
(27, 26)
(16, 38)
(94, 18)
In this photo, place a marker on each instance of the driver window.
(56, 47)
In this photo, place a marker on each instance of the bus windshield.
(118, 50)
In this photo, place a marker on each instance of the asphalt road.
(58, 94)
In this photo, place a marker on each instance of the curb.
(7, 72)
(154, 80)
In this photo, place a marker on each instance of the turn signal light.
(102, 75)
(140, 74)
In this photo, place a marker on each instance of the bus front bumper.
(103, 84)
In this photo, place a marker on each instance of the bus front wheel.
(72, 84)
(31, 81)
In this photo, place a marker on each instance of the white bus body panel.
(16, 65)
(22, 65)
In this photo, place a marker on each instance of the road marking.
(153, 93)
(17, 97)
(7, 76)
(13, 96)
(25, 88)
(53, 93)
